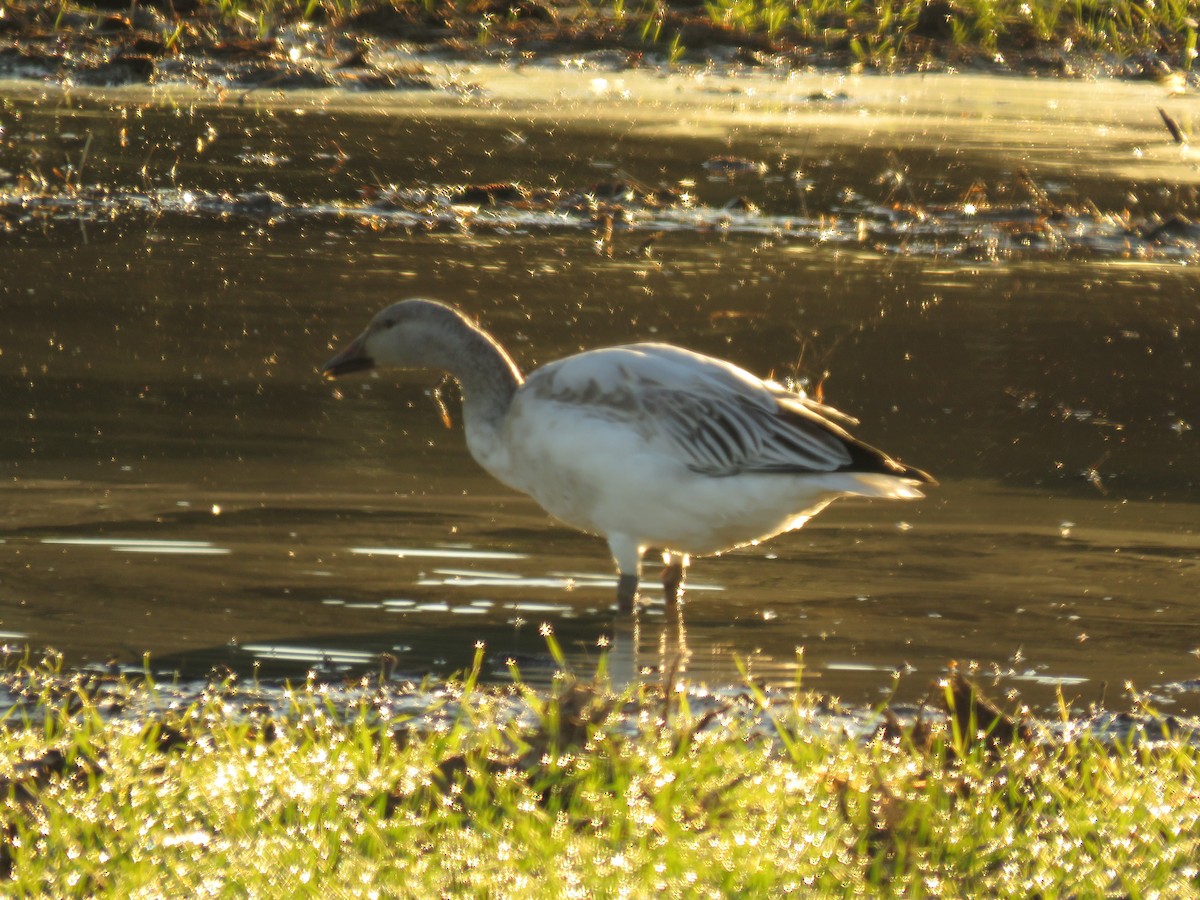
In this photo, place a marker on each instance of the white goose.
(648, 445)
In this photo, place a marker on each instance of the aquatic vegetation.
(989, 222)
(119, 787)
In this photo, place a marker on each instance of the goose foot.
(627, 586)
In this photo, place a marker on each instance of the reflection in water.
(674, 653)
(169, 372)
(623, 647)
(566, 581)
(640, 649)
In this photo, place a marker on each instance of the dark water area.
(179, 481)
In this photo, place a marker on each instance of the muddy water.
(179, 481)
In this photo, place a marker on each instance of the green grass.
(566, 793)
(884, 34)
(878, 33)
(881, 32)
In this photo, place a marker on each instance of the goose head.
(425, 334)
(410, 334)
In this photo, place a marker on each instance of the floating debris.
(733, 166)
(976, 227)
(490, 194)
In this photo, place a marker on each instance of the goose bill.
(352, 358)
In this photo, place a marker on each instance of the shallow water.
(179, 481)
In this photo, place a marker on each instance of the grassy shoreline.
(121, 41)
(572, 792)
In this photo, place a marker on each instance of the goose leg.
(627, 554)
(627, 586)
(674, 565)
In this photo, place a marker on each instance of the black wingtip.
(915, 474)
(865, 458)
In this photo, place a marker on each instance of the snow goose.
(648, 445)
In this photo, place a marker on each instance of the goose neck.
(487, 374)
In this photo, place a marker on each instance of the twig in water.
(83, 157)
(1092, 473)
(1040, 197)
(1172, 126)
(902, 171)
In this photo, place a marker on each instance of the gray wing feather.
(728, 434)
(718, 418)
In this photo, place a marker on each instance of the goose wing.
(717, 418)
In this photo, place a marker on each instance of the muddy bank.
(150, 694)
(108, 43)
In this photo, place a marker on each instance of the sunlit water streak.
(436, 552)
(138, 545)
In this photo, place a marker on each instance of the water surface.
(179, 481)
